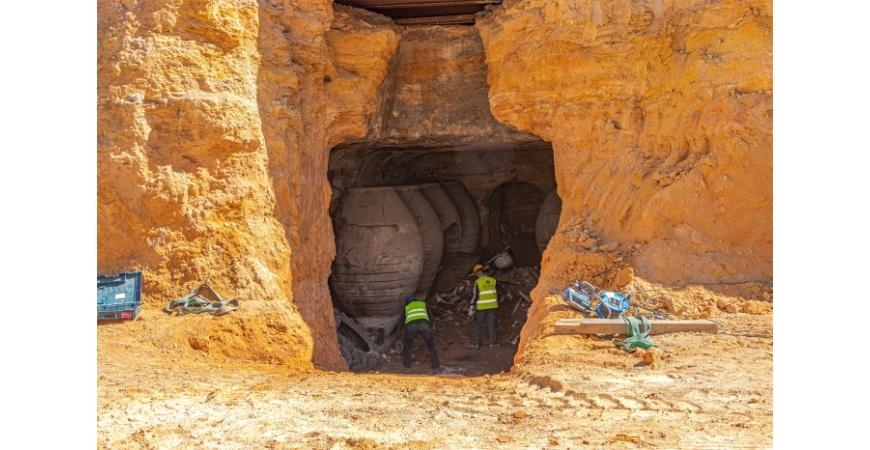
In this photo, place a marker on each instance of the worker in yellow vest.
(417, 322)
(484, 305)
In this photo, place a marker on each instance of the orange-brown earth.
(215, 121)
(691, 391)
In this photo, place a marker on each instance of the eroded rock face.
(436, 90)
(434, 124)
(183, 191)
(214, 117)
(660, 119)
(318, 85)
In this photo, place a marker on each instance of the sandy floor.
(701, 391)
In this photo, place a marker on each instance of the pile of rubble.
(364, 353)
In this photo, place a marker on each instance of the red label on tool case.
(126, 314)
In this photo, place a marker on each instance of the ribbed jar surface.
(448, 216)
(378, 255)
(469, 219)
(430, 232)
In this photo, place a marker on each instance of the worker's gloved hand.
(471, 311)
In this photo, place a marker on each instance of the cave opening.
(413, 220)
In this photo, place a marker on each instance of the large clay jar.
(430, 232)
(468, 217)
(448, 216)
(548, 220)
(378, 256)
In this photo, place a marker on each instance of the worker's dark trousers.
(489, 315)
(411, 331)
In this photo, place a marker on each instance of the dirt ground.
(452, 343)
(694, 391)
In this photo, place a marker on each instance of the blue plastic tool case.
(119, 296)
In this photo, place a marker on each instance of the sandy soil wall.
(214, 122)
(216, 118)
(660, 116)
(318, 86)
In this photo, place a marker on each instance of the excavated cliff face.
(183, 188)
(318, 85)
(436, 93)
(216, 119)
(434, 123)
(214, 123)
(660, 116)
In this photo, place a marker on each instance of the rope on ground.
(200, 300)
(637, 328)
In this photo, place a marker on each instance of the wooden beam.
(389, 4)
(437, 20)
(617, 326)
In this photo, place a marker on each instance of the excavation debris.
(368, 352)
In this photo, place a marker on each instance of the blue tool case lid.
(121, 291)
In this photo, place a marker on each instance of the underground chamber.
(414, 221)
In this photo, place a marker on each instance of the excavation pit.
(413, 221)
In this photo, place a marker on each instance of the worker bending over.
(417, 322)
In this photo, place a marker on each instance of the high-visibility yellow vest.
(415, 310)
(487, 298)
